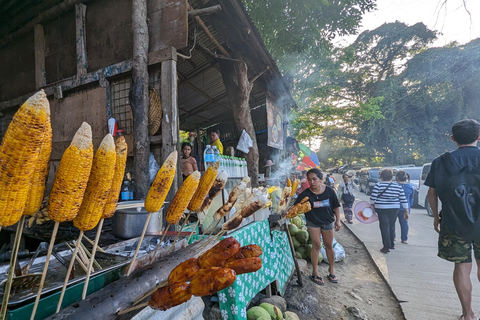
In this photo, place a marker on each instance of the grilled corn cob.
(206, 182)
(98, 187)
(295, 184)
(289, 182)
(19, 154)
(72, 176)
(162, 183)
(121, 160)
(182, 198)
(39, 177)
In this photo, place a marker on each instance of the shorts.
(324, 227)
(453, 248)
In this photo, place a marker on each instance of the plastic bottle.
(125, 193)
(216, 154)
(208, 156)
(238, 168)
(245, 168)
(223, 162)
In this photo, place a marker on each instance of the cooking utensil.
(128, 223)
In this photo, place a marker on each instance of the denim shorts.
(325, 227)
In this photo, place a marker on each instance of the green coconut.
(296, 243)
(289, 315)
(257, 313)
(320, 257)
(303, 252)
(302, 236)
(298, 222)
(309, 247)
(298, 255)
(293, 229)
(274, 311)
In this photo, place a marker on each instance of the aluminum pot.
(129, 223)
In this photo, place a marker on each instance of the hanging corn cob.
(19, 154)
(71, 178)
(295, 184)
(206, 182)
(39, 177)
(20, 151)
(156, 195)
(121, 160)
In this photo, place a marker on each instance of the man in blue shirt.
(451, 246)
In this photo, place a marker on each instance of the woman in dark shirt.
(323, 219)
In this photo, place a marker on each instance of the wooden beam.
(138, 97)
(43, 17)
(40, 77)
(205, 11)
(80, 36)
(170, 118)
(94, 76)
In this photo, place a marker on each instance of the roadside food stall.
(198, 59)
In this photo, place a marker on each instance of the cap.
(269, 163)
(364, 213)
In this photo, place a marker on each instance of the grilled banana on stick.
(246, 265)
(170, 296)
(209, 281)
(301, 207)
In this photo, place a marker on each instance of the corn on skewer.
(70, 267)
(45, 268)
(13, 261)
(92, 258)
(179, 203)
(156, 196)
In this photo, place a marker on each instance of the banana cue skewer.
(206, 182)
(20, 158)
(156, 196)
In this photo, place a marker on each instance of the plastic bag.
(337, 249)
(153, 168)
(245, 142)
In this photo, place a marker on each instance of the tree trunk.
(139, 99)
(235, 78)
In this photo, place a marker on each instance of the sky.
(446, 16)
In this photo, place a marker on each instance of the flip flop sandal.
(318, 280)
(332, 278)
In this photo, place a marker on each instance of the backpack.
(461, 207)
(327, 182)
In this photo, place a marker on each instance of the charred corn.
(39, 177)
(121, 160)
(19, 154)
(162, 183)
(182, 198)
(295, 184)
(98, 187)
(72, 176)
(206, 182)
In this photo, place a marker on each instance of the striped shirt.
(391, 198)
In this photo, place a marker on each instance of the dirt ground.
(360, 294)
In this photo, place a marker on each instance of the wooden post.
(170, 120)
(139, 98)
(40, 78)
(80, 37)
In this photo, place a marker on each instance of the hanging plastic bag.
(245, 142)
(153, 168)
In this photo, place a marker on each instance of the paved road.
(420, 280)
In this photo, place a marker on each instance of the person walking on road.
(323, 219)
(385, 199)
(450, 174)
(346, 195)
(402, 179)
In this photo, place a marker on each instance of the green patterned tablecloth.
(277, 264)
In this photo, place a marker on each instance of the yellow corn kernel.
(289, 182)
(98, 187)
(19, 154)
(162, 183)
(182, 198)
(295, 184)
(72, 176)
(121, 160)
(39, 177)
(206, 182)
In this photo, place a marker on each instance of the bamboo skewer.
(178, 234)
(13, 261)
(130, 267)
(150, 292)
(70, 267)
(193, 231)
(45, 268)
(80, 262)
(91, 242)
(160, 243)
(81, 253)
(88, 255)
(124, 311)
(92, 259)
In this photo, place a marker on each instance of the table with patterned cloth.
(277, 265)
